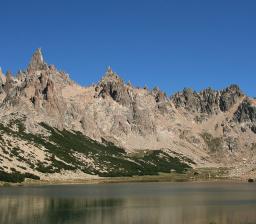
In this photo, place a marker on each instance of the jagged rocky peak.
(110, 76)
(205, 101)
(37, 61)
(39, 67)
(190, 100)
(159, 95)
(9, 78)
(112, 85)
(208, 101)
(9, 75)
(9, 83)
(230, 96)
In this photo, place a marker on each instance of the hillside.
(53, 128)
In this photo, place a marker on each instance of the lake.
(130, 203)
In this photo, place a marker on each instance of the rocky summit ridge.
(51, 127)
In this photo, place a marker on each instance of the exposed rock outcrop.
(204, 102)
(9, 83)
(229, 97)
(246, 111)
(208, 101)
(37, 62)
(112, 85)
(159, 95)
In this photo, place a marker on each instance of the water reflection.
(130, 204)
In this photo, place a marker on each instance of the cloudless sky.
(170, 44)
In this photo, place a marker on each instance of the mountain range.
(53, 128)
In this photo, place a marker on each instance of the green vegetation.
(109, 159)
(106, 159)
(164, 162)
(16, 177)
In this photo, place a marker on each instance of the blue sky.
(170, 44)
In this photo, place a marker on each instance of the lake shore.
(163, 177)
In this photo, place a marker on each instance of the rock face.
(212, 128)
(112, 85)
(37, 61)
(9, 83)
(208, 101)
(229, 97)
(246, 111)
(40, 85)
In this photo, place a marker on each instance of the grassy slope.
(108, 160)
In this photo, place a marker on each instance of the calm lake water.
(130, 203)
